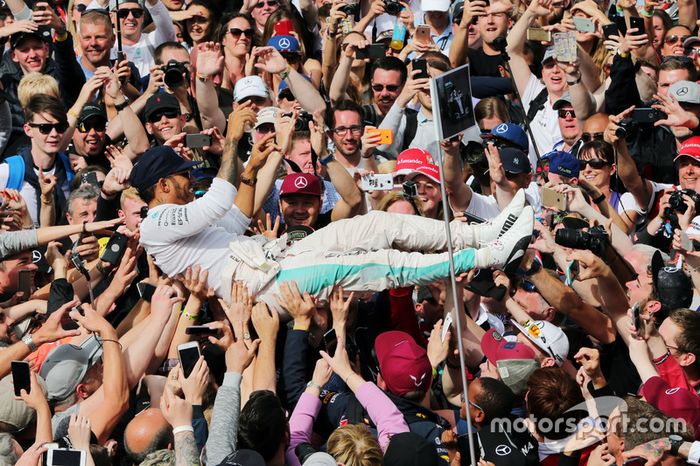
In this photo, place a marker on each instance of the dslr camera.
(350, 9)
(595, 239)
(392, 7)
(627, 129)
(302, 123)
(676, 202)
(174, 74)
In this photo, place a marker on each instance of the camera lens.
(572, 238)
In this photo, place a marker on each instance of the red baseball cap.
(496, 348)
(404, 365)
(414, 161)
(301, 183)
(673, 401)
(690, 148)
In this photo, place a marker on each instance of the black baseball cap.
(42, 33)
(674, 288)
(92, 111)
(514, 160)
(156, 163)
(409, 449)
(160, 101)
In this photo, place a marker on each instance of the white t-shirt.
(198, 233)
(486, 207)
(545, 125)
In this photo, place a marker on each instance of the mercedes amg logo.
(503, 450)
(284, 43)
(682, 91)
(301, 183)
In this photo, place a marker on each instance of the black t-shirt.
(481, 64)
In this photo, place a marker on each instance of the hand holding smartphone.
(21, 378)
(189, 355)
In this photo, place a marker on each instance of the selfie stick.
(458, 307)
(120, 52)
(500, 44)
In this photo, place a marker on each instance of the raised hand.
(268, 229)
(210, 60)
(195, 281)
(270, 60)
(47, 184)
(196, 384)
(177, 411)
(241, 118)
(266, 323)
(52, 330)
(79, 432)
(299, 306)
(90, 320)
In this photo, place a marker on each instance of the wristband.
(190, 316)
(284, 74)
(573, 83)
(27, 340)
(622, 54)
(249, 181)
(646, 13)
(314, 385)
(123, 105)
(203, 77)
(676, 442)
(599, 199)
(178, 429)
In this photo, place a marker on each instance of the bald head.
(146, 433)
(596, 123)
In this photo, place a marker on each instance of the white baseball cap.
(250, 86)
(435, 5)
(548, 337)
(266, 115)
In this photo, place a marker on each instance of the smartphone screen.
(635, 317)
(200, 330)
(146, 291)
(67, 458)
(422, 65)
(20, 377)
(331, 341)
(189, 354)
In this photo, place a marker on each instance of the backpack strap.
(15, 177)
(369, 114)
(66, 165)
(537, 104)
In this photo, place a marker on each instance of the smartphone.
(539, 35)
(637, 23)
(422, 65)
(584, 24)
(553, 199)
(64, 457)
(91, 179)
(284, 27)
(378, 182)
(446, 326)
(114, 250)
(686, 243)
(647, 115)
(372, 51)
(145, 290)
(197, 141)
(422, 34)
(565, 47)
(330, 339)
(611, 30)
(20, 377)
(189, 354)
(200, 330)
(636, 321)
(387, 135)
(621, 24)
(24, 284)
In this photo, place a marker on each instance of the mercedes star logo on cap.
(502, 128)
(682, 91)
(284, 43)
(301, 182)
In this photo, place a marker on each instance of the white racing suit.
(372, 252)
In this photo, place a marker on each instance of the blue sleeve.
(294, 365)
(199, 424)
(487, 86)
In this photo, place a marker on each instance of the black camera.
(595, 239)
(410, 190)
(302, 123)
(350, 9)
(392, 7)
(174, 74)
(676, 202)
(627, 129)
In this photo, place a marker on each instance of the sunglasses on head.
(236, 32)
(135, 12)
(566, 113)
(588, 137)
(98, 126)
(167, 113)
(45, 128)
(388, 87)
(596, 164)
(674, 39)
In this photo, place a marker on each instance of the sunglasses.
(588, 137)
(98, 126)
(286, 95)
(674, 39)
(388, 87)
(45, 128)
(135, 12)
(167, 114)
(198, 19)
(236, 32)
(596, 164)
(527, 285)
(266, 128)
(81, 8)
(566, 113)
(269, 3)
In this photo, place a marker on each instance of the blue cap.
(156, 163)
(285, 44)
(562, 163)
(513, 134)
(514, 160)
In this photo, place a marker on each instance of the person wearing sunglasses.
(569, 126)
(163, 117)
(260, 10)
(90, 137)
(200, 23)
(136, 44)
(236, 35)
(673, 41)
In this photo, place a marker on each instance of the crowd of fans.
(222, 233)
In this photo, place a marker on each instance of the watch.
(676, 442)
(27, 340)
(572, 83)
(122, 105)
(249, 181)
(326, 160)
